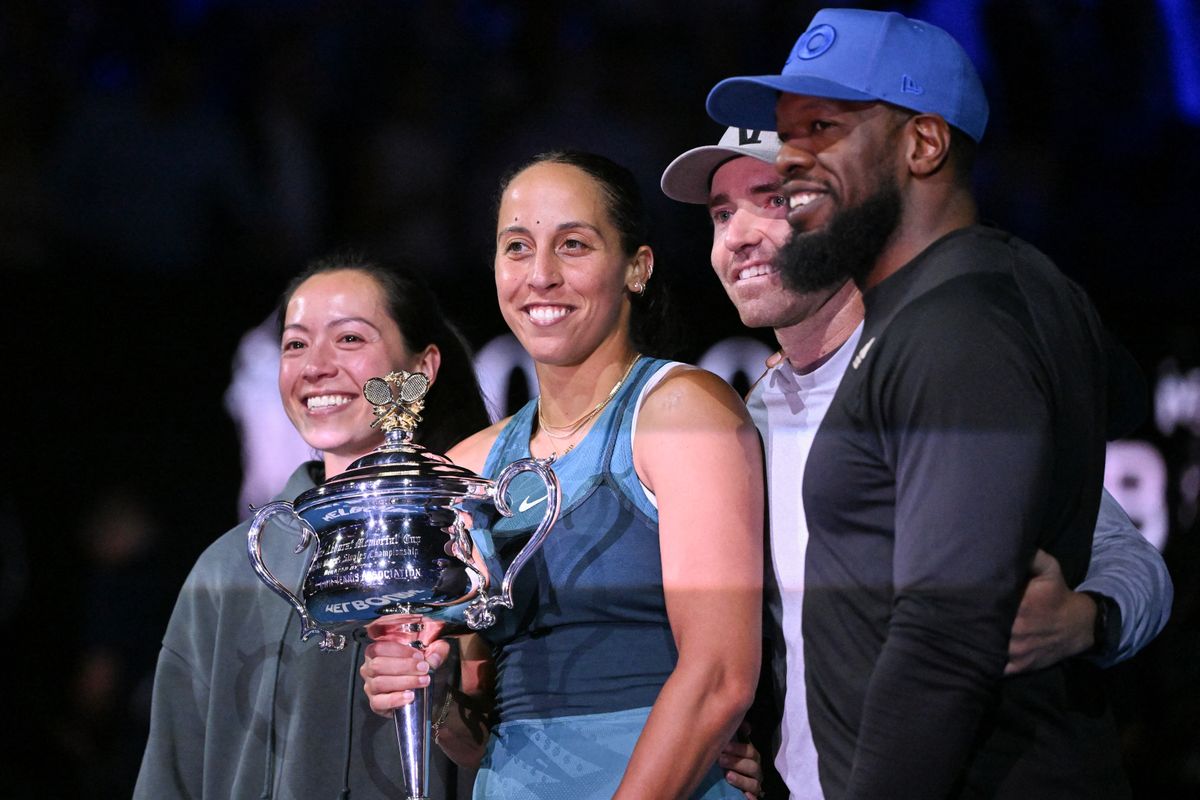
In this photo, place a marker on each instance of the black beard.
(847, 247)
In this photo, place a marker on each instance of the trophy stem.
(412, 733)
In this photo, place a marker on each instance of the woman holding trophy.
(240, 707)
(633, 649)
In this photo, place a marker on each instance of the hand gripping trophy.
(402, 531)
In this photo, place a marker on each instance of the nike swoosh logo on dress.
(527, 504)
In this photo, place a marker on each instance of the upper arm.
(698, 451)
(964, 427)
(173, 762)
(969, 441)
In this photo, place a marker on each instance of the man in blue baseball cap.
(1121, 606)
(967, 431)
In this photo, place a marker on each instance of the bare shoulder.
(472, 452)
(688, 394)
(694, 431)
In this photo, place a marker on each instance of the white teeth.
(547, 313)
(755, 271)
(325, 400)
(801, 199)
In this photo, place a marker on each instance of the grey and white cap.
(687, 178)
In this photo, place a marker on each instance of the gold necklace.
(571, 428)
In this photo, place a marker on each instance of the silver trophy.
(402, 531)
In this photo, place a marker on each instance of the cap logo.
(747, 136)
(814, 42)
(909, 86)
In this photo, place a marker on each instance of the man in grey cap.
(967, 431)
(1125, 600)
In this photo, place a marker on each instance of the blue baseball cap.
(851, 54)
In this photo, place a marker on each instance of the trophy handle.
(308, 628)
(479, 614)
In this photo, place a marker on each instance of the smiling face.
(337, 334)
(749, 215)
(841, 164)
(834, 154)
(562, 278)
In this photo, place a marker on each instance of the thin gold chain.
(436, 726)
(573, 427)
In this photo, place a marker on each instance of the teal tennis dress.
(583, 654)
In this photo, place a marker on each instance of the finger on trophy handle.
(431, 631)
(411, 629)
(396, 628)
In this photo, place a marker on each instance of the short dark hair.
(454, 407)
(652, 324)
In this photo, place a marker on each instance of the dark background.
(164, 167)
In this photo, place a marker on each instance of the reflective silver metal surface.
(403, 530)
